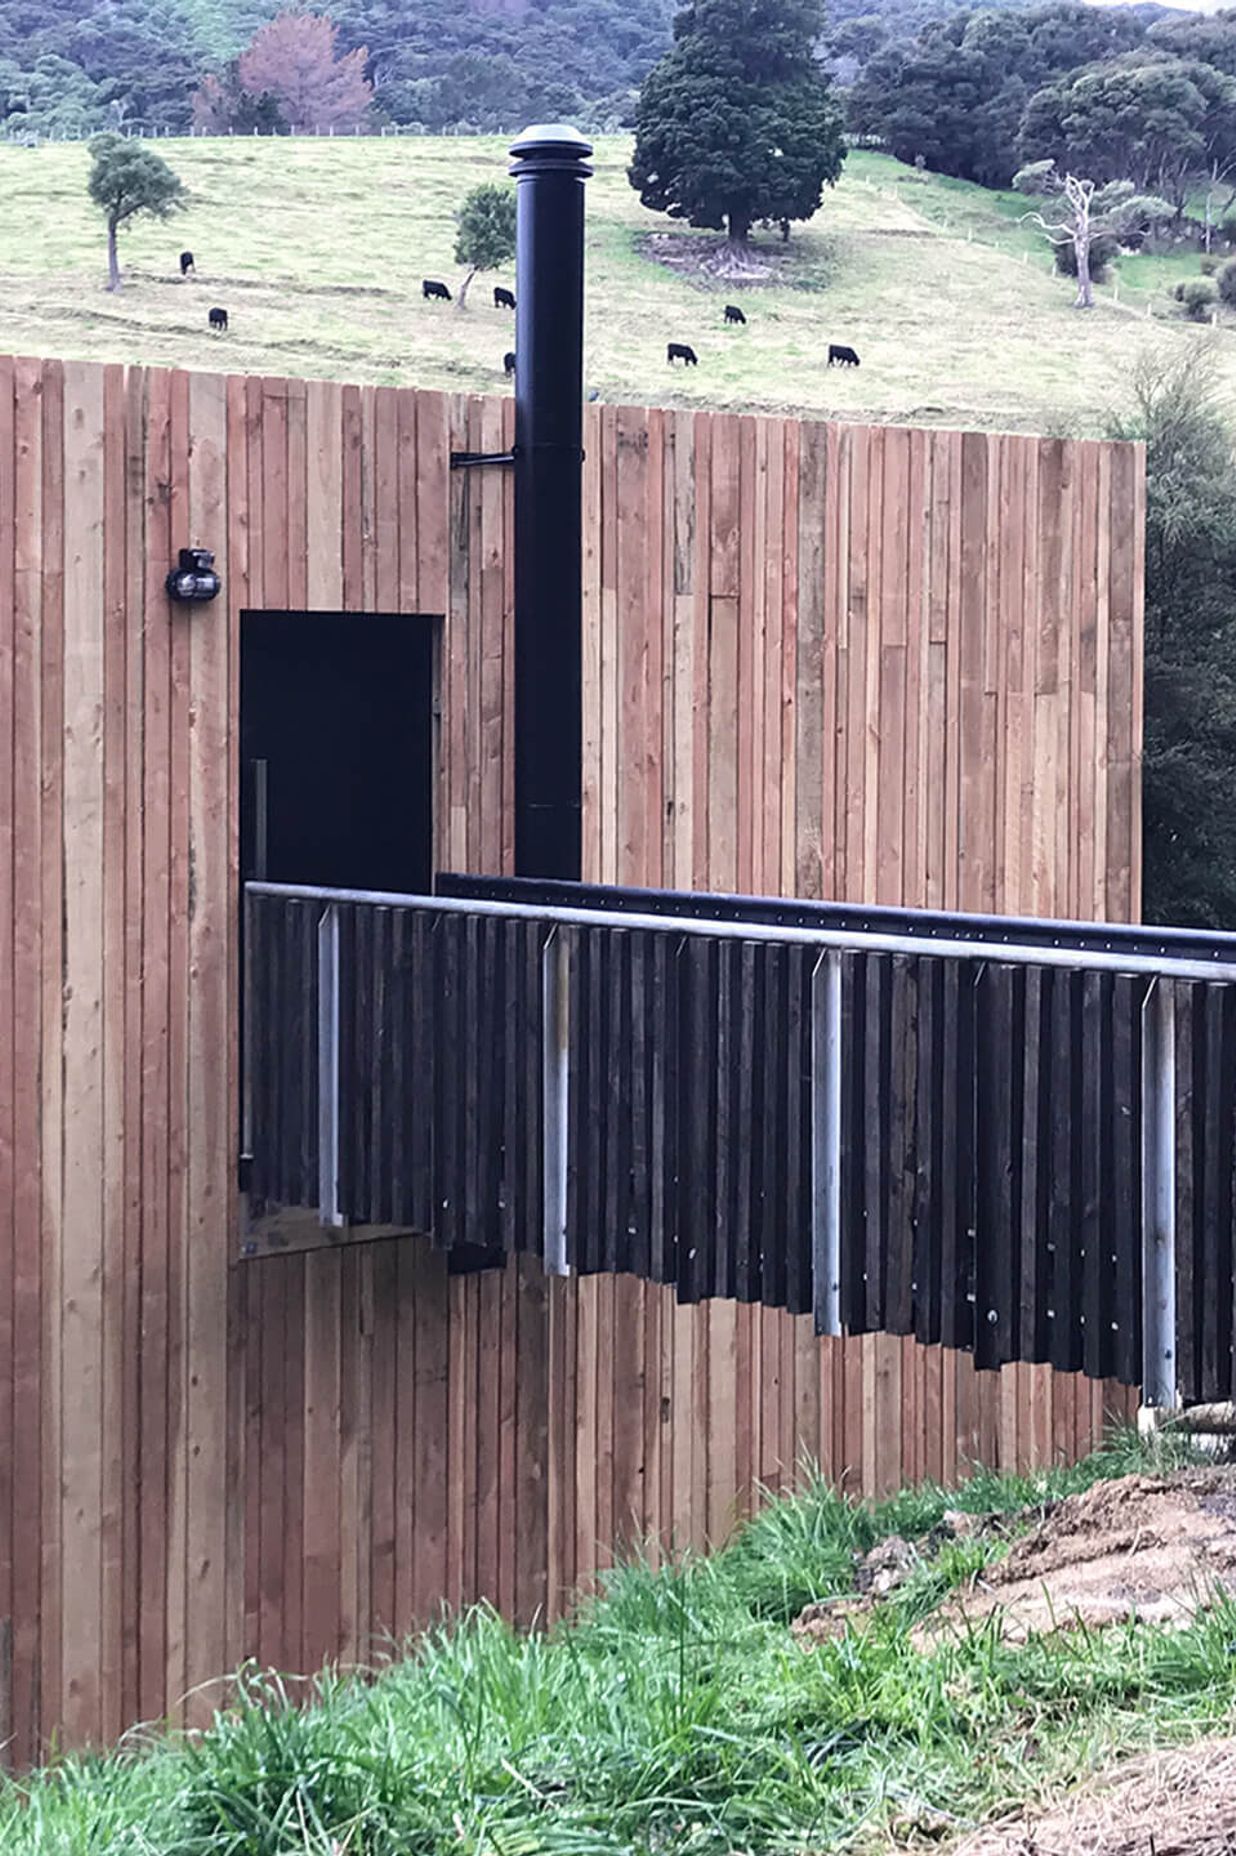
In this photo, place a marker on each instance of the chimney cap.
(550, 145)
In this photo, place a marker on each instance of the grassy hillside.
(317, 248)
(678, 1716)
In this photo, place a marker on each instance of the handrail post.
(826, 1142)
(246, 1033)
(1159, 1385)
(328, 1068)
(556, 1086)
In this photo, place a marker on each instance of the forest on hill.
(68, 67)
(72, 66)
(1116, 93)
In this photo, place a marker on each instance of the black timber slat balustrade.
(1205, 1054)
(1026, 1151)
(282, 1024)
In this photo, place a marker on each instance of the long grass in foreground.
(676, 1714)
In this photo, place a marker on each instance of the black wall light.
(195, 579)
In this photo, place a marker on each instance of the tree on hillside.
(127, 180)
(1189, 763)
(1074, 222)
(1088, 224)
(738, 121)
(1159, 122)
(295, 60)
(486, 236)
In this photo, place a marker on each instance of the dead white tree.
(1076, 225)
(1218, 172)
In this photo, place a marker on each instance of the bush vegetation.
(1189, 767)
(1104, 247)
(1199, 296)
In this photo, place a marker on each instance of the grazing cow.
(841, 356)
(508, 361)
(431, 289)
(733, 313)
(186, 263)
(503, 299)
(218, 320)
(679, 351)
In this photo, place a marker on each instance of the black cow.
(218, 319)
(841, 356)
(431, 289)
(186, 263)
(679, 351)
(733, 313)
(508, 362)
(503, 299)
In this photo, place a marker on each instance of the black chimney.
(550, 165)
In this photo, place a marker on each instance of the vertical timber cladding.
(851, 662)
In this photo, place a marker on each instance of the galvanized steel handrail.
(845, 939)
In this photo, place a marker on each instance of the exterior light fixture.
(195, 579)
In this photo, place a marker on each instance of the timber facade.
(867, 664)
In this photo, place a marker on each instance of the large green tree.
(127, 181)
(738, 121)
(1189, 765)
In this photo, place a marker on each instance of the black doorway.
(336, 734)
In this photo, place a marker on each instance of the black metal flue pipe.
(550, 165)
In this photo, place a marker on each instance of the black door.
(336, 750)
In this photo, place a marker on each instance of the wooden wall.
(832, 660)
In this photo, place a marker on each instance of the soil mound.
(1174, 1804)
(1154, 1548)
